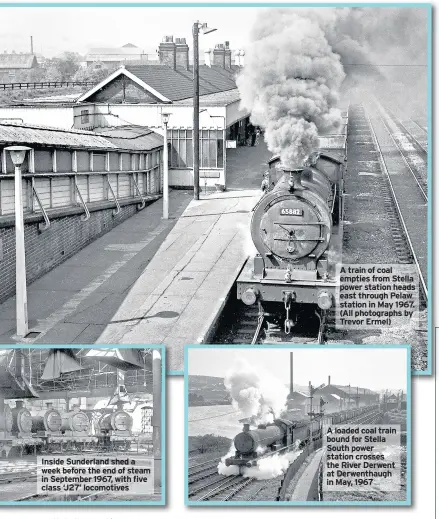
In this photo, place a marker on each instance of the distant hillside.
(205, 390)
(204, 380)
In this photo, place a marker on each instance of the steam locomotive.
(279, 436)
(282, 435)
(297, 229)
(50, 430)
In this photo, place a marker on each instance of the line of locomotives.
(297, 229)
(50, 430)
(282, 435)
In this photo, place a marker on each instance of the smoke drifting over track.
(255, 392)
(299, 59)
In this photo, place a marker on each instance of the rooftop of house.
(17, 61)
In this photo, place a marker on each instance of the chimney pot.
(227, 56)
(219, 55)
(167, 52)
(329, 380)
(181, 53)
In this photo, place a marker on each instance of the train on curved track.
(283, 435)
(297, 229)
(50, 430)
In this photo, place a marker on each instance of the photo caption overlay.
(362, 458)
(120, 475)
(376, 296)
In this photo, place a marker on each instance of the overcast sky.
(372, 368)
(56, 30)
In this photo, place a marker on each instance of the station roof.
(163, 83)
(133, 137)
(130, 139)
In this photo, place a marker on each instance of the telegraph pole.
(196, 131)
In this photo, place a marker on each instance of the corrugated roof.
(137, 138)
(130, 139)
(17, 61)
(20, 133)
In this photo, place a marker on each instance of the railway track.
(249, 328)
(225, 490)
(408, 201)
(412, 151)
(17, 477)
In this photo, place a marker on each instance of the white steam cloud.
(299, 58)
(255, 392)
(266, 468)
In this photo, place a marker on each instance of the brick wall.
(45, 250)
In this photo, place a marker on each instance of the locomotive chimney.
(295, 181)
(19, 404)
(246, 427)
(49, 405)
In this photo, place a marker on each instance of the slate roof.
(136, 138)
(178, 84)
(18, 61)
(141, 138)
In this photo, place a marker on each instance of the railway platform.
(149, 280)
(74, 302)
(180, 295)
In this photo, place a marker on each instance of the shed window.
(211, 149)
(85, 117)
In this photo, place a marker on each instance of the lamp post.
(196, 130)
(18, 154)
(165, 120)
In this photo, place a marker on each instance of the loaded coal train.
(282, 435)
(50, 430)
(297, 229)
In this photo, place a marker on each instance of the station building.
(137, 94)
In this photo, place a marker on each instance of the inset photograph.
(82, 425)
(298, 425)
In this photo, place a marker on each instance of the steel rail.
(398, 147)
(398, 208)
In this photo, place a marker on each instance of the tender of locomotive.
(297, 229)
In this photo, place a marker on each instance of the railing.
(45, 84)
(43, 192)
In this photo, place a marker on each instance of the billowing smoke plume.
(255, 392)
(290, 83)
(299, 59)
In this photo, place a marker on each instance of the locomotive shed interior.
(70, 401)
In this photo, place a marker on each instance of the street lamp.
(165, 120)
(18, 154)
(196, 130)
